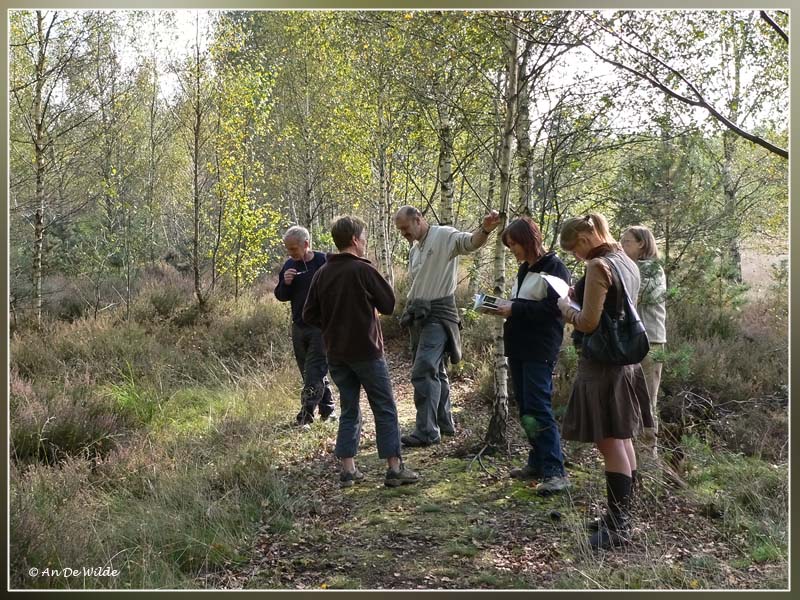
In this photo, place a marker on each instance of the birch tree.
(46, 46)
(497, 432)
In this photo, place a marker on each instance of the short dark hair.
(524, 231)
(344, 229)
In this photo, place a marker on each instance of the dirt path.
(468, 526)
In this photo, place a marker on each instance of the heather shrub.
(51, 424)
(46, 501)
(248, 332)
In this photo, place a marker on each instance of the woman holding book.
(532, 332)
(609, 404)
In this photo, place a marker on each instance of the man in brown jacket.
(344, 296)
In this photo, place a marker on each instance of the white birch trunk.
(39, 144)
(524, 140)
(497, 433)
(445, 158)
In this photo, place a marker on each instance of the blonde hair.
(588, 223)
(646, 237)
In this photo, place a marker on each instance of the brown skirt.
(607, 401)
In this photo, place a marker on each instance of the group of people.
(335, 304)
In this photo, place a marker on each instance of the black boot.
(603, 520)
(615, 529)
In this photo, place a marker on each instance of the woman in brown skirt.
(609, 403)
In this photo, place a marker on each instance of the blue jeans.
(533, 388)
(431, 385)
(373, 376)
(309, 352)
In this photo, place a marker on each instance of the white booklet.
(486, 304)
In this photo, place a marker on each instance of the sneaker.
(553, 485)
(350, 478)
(414, 442)
(332, 417)
(402, 477)
(448, 433)
(525, 473)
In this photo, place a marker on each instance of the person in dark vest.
(345, 296)
(294, 281)
(609, 404)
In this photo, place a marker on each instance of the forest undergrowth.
(162, 447)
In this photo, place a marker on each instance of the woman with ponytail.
(609, 404)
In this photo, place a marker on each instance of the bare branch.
(774, 25)
(698, 100)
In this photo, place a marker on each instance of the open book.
(486, 304)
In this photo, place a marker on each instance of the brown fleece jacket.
(342, 301)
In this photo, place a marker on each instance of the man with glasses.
(294, 281)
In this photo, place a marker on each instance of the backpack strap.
(616, 280)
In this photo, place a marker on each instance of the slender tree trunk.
(478, 257)
(732, 269)
(445, 158)
(39, 145)
(197, 130)
(383, 195)
(385, 215)
(221, 207)
(497, 433)
(38, 243)
(150, 235)
(524, 139)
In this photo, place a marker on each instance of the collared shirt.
(433, 262)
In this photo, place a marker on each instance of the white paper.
(559, 285)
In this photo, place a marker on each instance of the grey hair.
(408, 212)
(297, 233)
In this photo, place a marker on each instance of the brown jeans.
(652, 374)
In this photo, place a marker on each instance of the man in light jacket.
(432, 316)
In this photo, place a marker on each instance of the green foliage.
(751, 496)
(130, 400)
(52, 424)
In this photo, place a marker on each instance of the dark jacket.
(296, 292)
(344, 295)
(535, 329)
